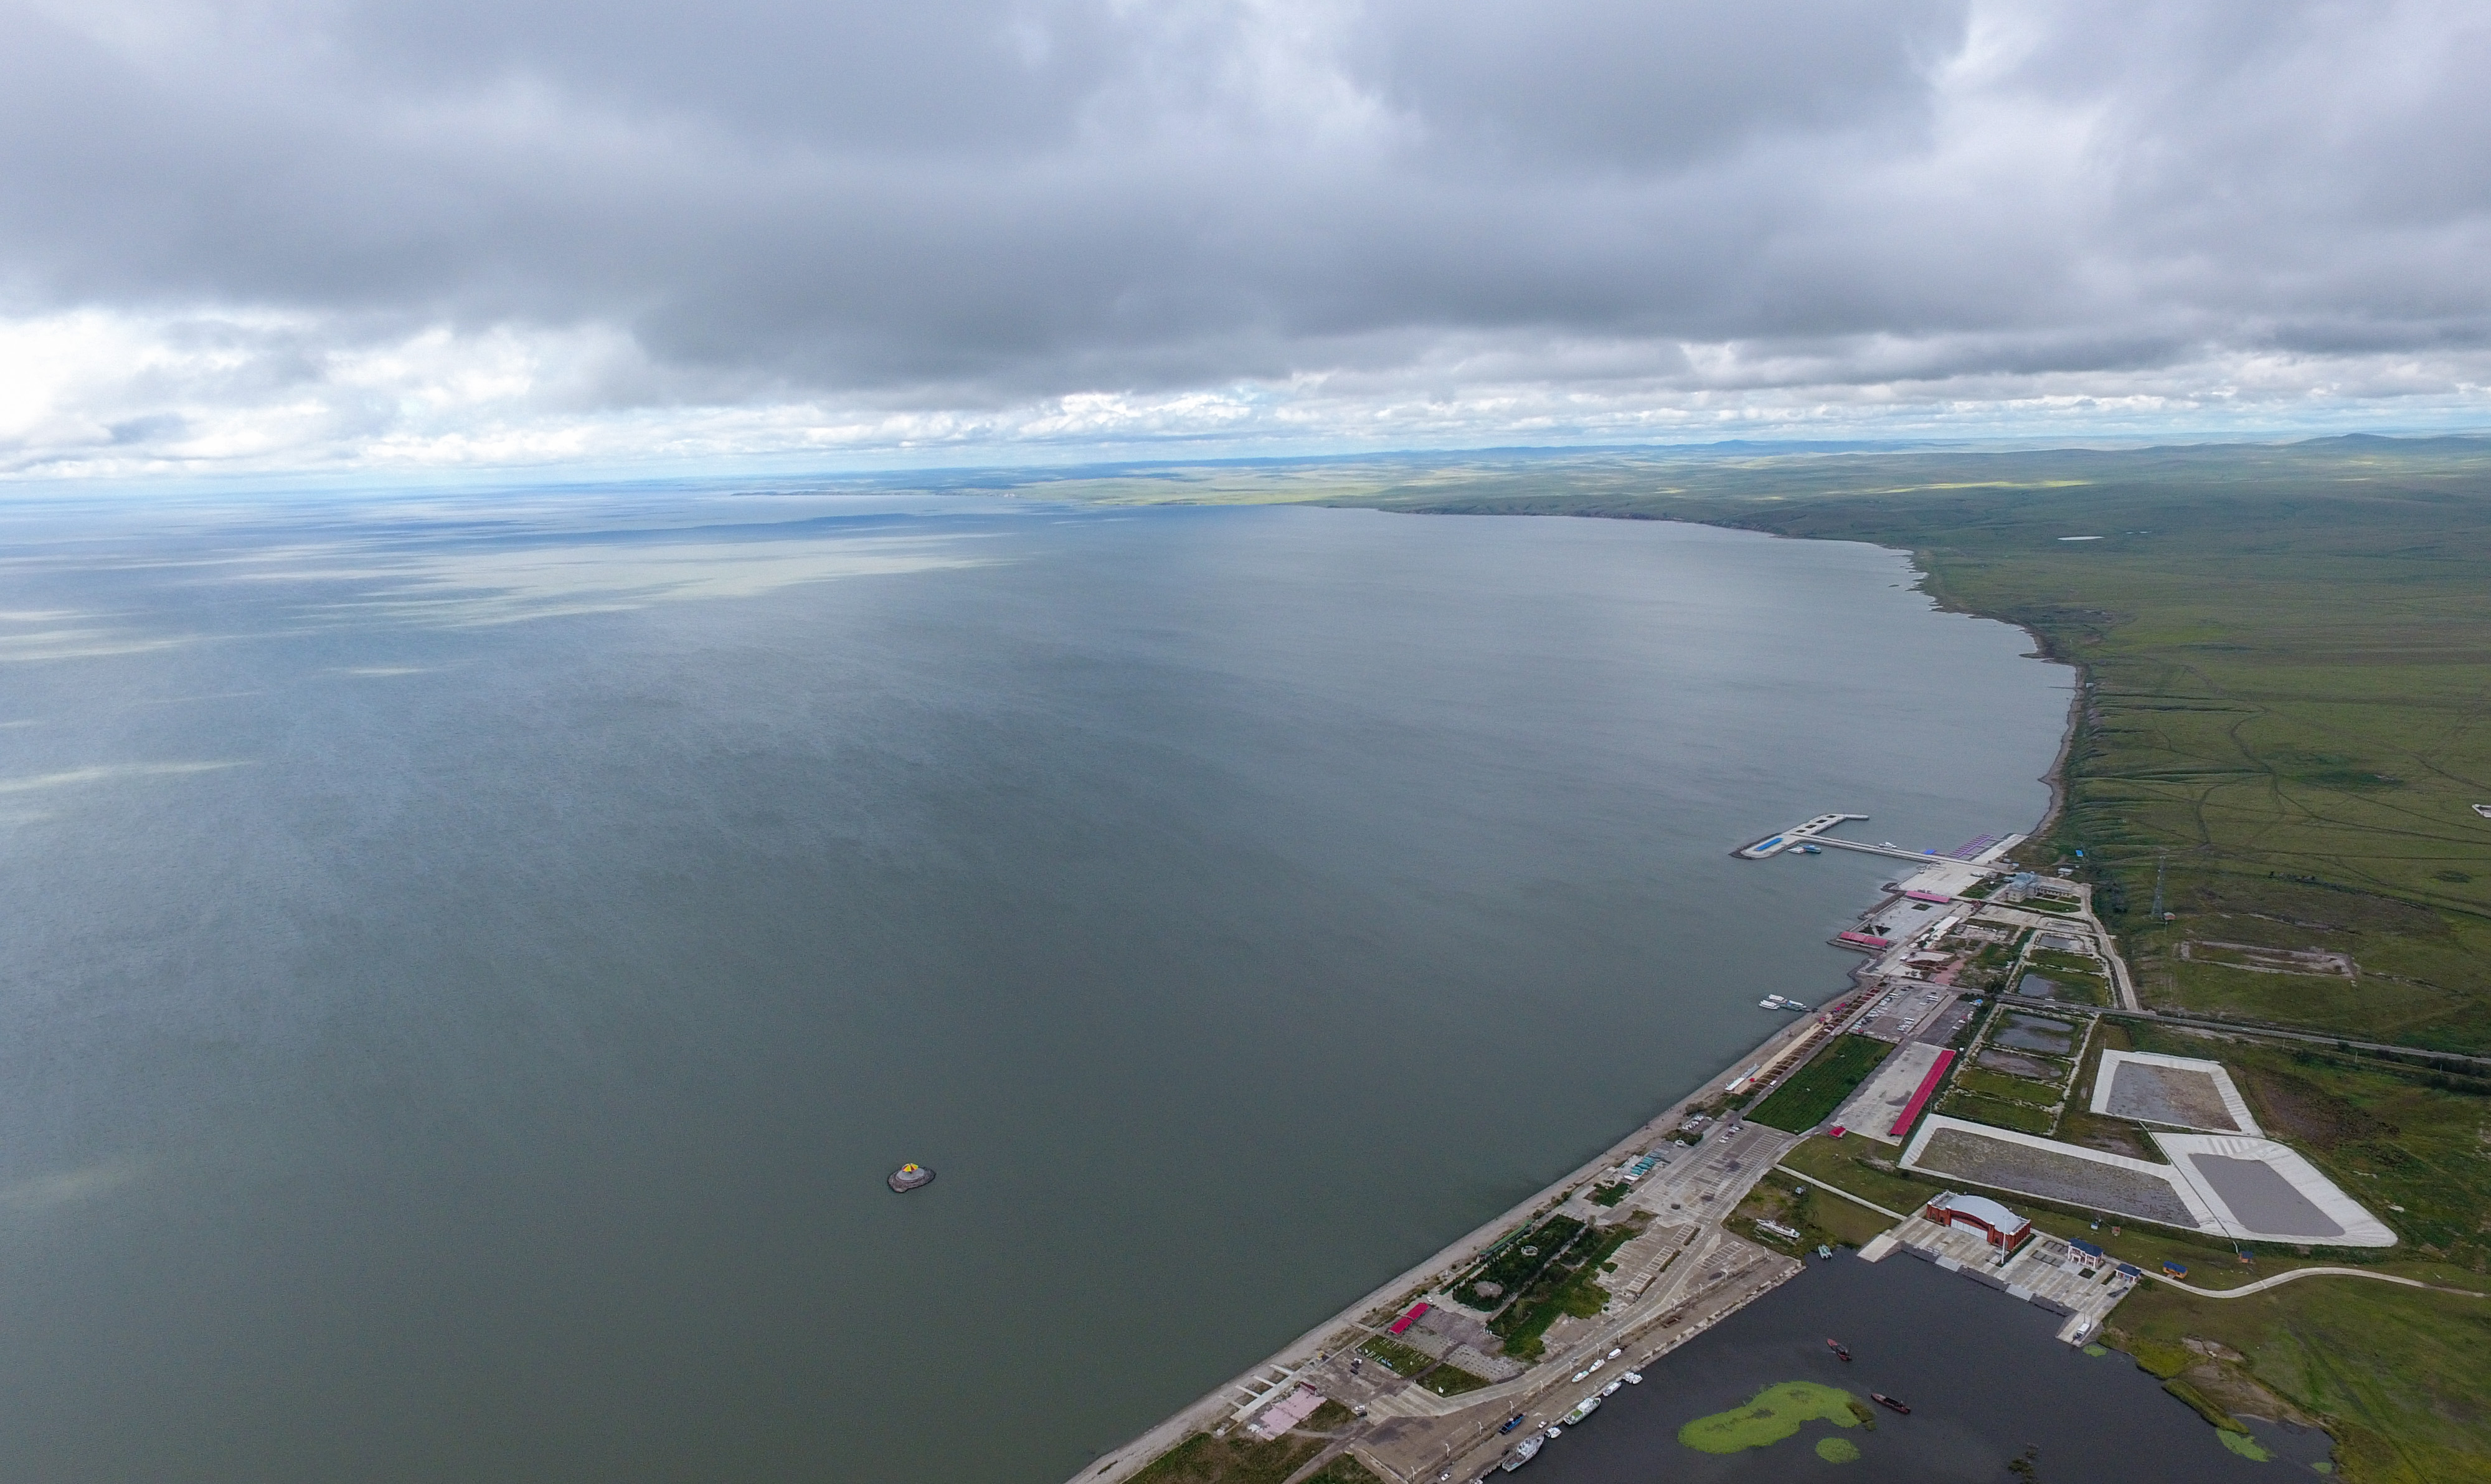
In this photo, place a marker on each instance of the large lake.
(467, 964)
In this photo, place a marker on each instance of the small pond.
(2015, 1064)
(1984, 1374)
(2034, 1033)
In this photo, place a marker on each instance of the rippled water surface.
(470, 963)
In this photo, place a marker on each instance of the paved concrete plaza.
(2026, 1164)
(1871, 1110)
(2264, 1191)
(2174, 1092)
(2240, 1188)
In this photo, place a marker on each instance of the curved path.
(2246, 1289)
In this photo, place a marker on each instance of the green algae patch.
(1771, 1416)
(2245, 1445)
(1837, 1450)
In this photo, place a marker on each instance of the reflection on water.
(2015, 1065)
(441, 1046)
(1986, 1379)
(2034, 1033)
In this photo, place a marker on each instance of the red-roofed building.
(2001, 1228)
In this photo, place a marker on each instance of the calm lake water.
(1984, 1374)
(471, 962)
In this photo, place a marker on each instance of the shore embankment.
(1222, 1402)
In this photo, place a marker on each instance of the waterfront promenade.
(1231, 1402)
(1681, 1275)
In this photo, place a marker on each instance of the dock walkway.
(1796, 834)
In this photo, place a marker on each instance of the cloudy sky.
(376, 235)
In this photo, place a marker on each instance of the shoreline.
(1239, 1395)
(2056, 779)
(1206, 1410)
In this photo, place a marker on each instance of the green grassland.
(1816, 1090)
(2061, 965)
(2393, 1373)
(1820, 1219)
(2289, 658)
(2285, 719)
(1996, 1112)
(1988, 1084)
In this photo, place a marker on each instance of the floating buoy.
(908, 1178)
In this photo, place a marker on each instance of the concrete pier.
(1816, 833)
(1796, 834)
(1895, 850)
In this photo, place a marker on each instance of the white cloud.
(375, 235)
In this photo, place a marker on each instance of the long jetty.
(1797, 834)
(1819, 831)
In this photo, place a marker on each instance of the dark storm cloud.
(968, 203)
